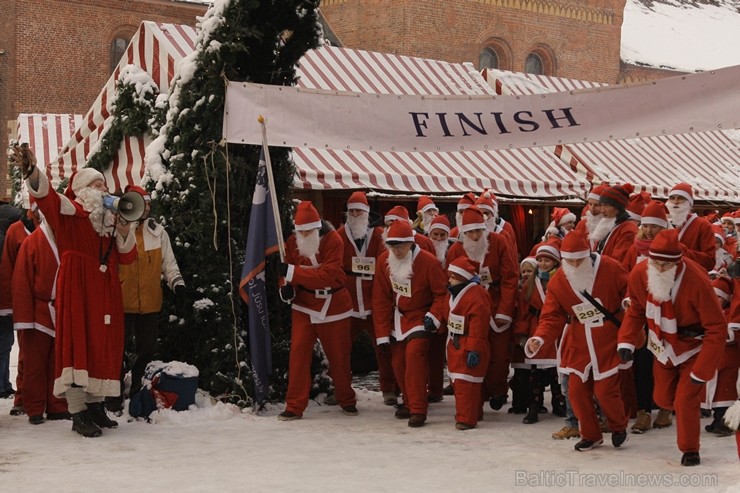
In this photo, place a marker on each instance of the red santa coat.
(696, 233)
(14, 236)
(424, 242)
(34, 282)
(468, 316)
(507, 230)
(399, 315)
(734, 316)
(526, 324)
(589, 347)
(319, 281)
(694, 303)
(359, 279)
(619, 240)
(501, 279)
(89, 305)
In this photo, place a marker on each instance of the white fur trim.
(358, 205)
(574, 255)
(443, 227)
(472, 226)
(461, 272)
(683, 194)
(429, 206)
(569, 217)
(655, 221)
(308, 226)
(404, 239)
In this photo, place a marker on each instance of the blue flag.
(262, 240)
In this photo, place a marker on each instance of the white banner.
(318, 119)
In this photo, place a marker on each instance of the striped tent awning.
(709, 161)
(46, 135)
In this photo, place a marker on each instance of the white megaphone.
(130, 206)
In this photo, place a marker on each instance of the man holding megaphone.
(130, 207)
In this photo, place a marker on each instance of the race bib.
(655, 345)
(363, 265)
(485, 275)
(402, 288)
(588, 314)
(456, 324)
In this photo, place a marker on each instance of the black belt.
(321, 292)
(357, 274)
(695, 331)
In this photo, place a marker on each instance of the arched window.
(533, 64)
(488, 58)
(117, 50)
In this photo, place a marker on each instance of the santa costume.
(694, 232)
(399, 213)
(616, 242)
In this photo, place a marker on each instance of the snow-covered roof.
(681, 35)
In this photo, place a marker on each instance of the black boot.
(558, 399)
(535, 396)
(97, 413)
(83, 424)
(519, 385)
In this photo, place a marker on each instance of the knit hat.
(440, 222)
(140, 191)
(574, 246)
(655, 213)
(472, 219)
(358, 200)
(306, 217)
(723, 288)
(550, 249)
(485, 204)
(399, 232)
(665, 246)
(466, 201)
(617, 196)
(83, 178)
(397, 213)
(596, 192)
(683, 190)
(636, 205)
(561, 215)
(719, 233)
(425, 203)
(463, 267)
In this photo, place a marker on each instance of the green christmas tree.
(203, 188)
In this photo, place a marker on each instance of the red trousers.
(382, 355)
(497, 376)
(674, 391)
(18, 398)
(38, 375)
(725, 386)
(335, 339)
(411, 365)
(607, 392)
(468, 404)
(628, 391)
(437, 349)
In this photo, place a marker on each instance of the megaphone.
(130, 206)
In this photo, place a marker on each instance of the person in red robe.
(487, 202)
(399, 213)
(693, 231)
(89, 306)
(592, 213)
(408, 305)
(588, 336)
(616, 232)
(468, 318)
(315, 285)
(686, 333)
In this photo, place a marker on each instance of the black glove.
(473, 359)
(429, 324)
(287, 293)
(625, 354)
(283, 269)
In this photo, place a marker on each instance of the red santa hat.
(358, 200)
(617, 196)
(736, 217)
(486, 204)
(561, 215)
(655, 213)
(575, 246)
(135, 188)
(636, 205)
(306, 217)
(466, 201)
(528, 260)
(397, 213)
(719, 233)
(488, 193)
(550, 249)
(728, 216)
(440, 222)
(472, 218)
(665, 246)
(80, 179)
(463, 268)
(399, 232)
(683, 190)
(425, 204)
(723, 288)
(584, 211)
(595, 193)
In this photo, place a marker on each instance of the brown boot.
(664, 419)
(642, 423)
(417, 420)
(566, 432)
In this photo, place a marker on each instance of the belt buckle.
(322, 293)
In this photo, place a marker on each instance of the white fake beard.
(592, 222)
(491, 224)
(678, 213)
(440, 248)
(308, 246)
(581, 278)
(357, 225)
(102, 220)
(401, 269)
(426, 221)
(602, 230)
(458, 219)
(660, 283)
(476, 250)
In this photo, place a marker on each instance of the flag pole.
(271, 186)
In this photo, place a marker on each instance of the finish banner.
(297, 117)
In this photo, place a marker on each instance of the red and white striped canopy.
(46, 135)
(709, 161)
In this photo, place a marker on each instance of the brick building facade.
(55, 55)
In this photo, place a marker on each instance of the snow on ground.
(219, 448)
